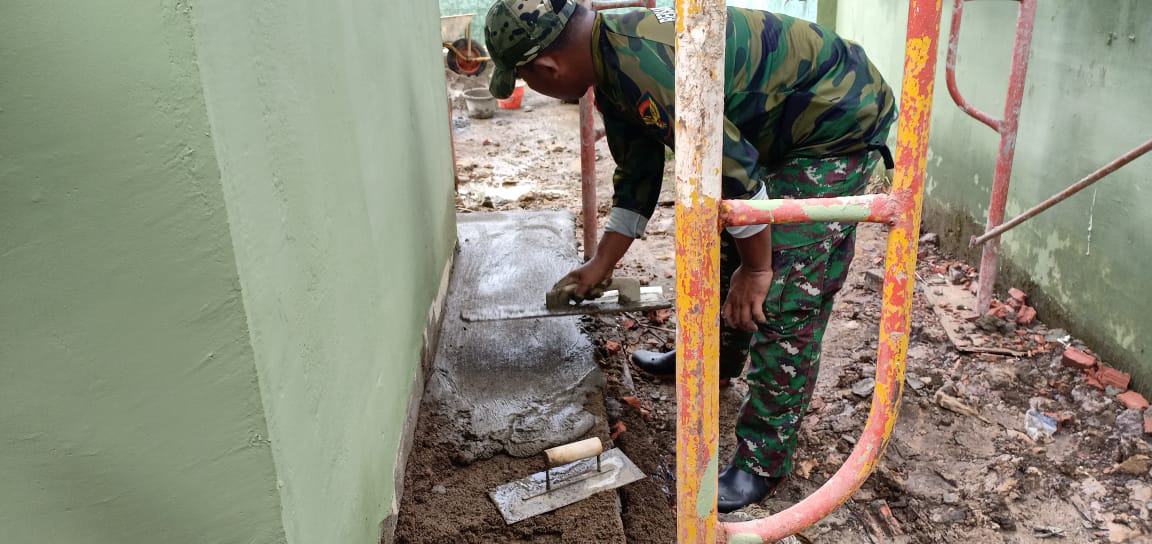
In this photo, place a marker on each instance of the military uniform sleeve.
(740, 177)
(638, 177)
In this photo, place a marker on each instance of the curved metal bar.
(950, 71)
(899, 285)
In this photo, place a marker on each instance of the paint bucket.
(513, 102)
(481, 104)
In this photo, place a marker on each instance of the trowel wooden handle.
(562, 455)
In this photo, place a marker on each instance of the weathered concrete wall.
(1086, 102)
(222, 226)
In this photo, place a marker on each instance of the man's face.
(551, 76)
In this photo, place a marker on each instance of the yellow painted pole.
(699, 130)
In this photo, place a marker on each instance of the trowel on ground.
(619, 295)
(572, 472)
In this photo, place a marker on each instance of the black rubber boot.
(664, 364)
(739, 488)
(656, 363)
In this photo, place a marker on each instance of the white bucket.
(481, 104)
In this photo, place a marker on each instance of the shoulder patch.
(665, 15)
(652, 112)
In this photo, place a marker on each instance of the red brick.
(1026, 315)
(1074, 358)
(1110, 376)
(1018, 295)
(1133, 400)
(1090, 379)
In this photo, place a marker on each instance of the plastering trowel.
(619, 295)
(572, 472)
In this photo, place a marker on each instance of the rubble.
(1133, 400)
(1074, 358)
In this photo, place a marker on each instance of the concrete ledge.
(431, 340)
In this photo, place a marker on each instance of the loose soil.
(960, 466)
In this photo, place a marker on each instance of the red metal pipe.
(950, 71)
(899, 285)
(989, 261)
(1063, 195)
(864, 208)
(588, 174)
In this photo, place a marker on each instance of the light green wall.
(129, 407)
(331, 126)
(222, 225)
(1085, 104)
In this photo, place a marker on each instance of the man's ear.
(546, 67)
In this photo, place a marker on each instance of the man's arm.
(744, 306)
(636, 192)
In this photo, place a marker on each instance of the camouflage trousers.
(810, 263)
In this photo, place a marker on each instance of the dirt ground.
(961, 466)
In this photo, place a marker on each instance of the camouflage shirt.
(791, 89)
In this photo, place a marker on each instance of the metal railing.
(700, 214)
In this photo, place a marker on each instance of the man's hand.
(744, 307)
(585, 282)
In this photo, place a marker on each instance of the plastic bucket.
(513, 102)
(481, 104)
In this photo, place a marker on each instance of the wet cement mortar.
(946, 476)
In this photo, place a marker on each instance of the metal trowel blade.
(574, 482)
(651, 298)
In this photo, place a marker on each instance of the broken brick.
(1025, 315)
(612, 346)
(1133, 400)
(1074, 358)
(1090, 379)
(1110, 376)
(1017, 295)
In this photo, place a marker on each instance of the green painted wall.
(129, 406)
(221, 228)
(331, 127)
(1086, 103)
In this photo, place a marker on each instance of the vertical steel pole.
(699, 130)
(989, 260)
(588, 174)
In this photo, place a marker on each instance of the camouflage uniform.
(803, 112)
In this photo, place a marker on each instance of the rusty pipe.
(1063, 195)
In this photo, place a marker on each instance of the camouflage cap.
(515, 32)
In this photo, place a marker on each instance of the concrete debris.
(874, 280)
(954, 404)
(1120, 533)
(1137, 465)
(864, 388)
(1048, 532)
